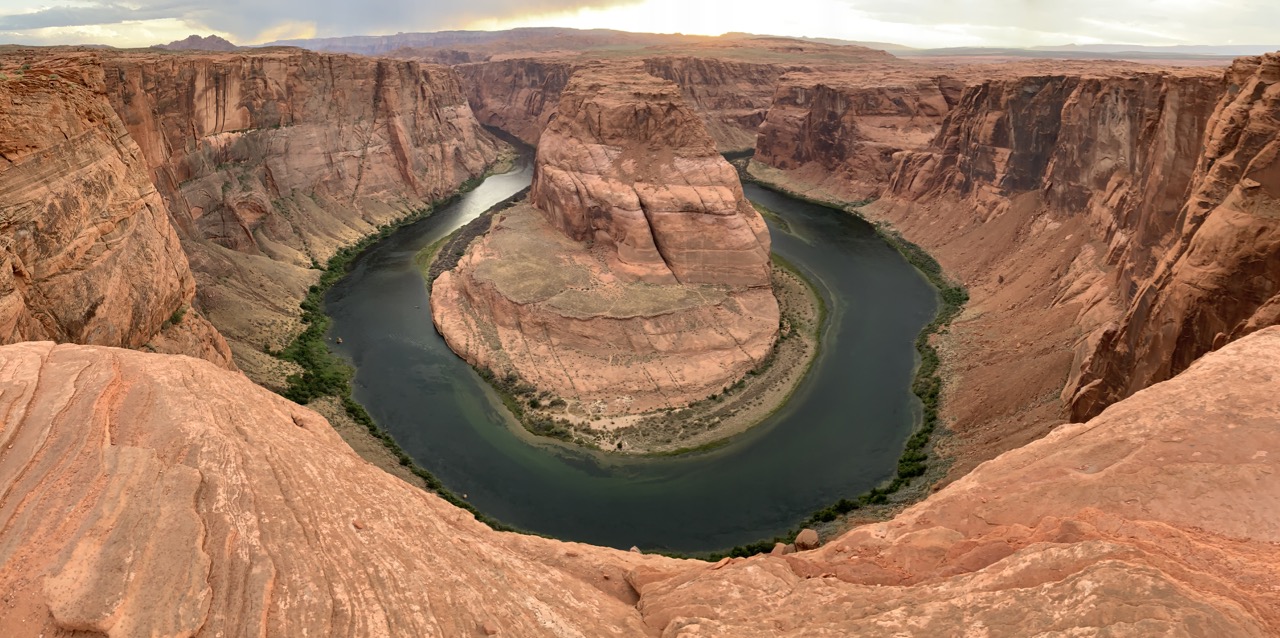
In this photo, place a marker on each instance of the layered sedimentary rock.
(730, 83)
(149, 495)
(847, 128)
(89, 255)
(641, 280)
(271, 160)
(1051, 190)
(206, 506)
(518, 96)
(1220, 279)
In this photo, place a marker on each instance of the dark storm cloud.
(247, 18)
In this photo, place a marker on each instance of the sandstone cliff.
(1220, 279)
(207, 506)
(1050, 189)
(271, 160)
(89, 255)
(730, 83)
(846, 129)
(642, 278)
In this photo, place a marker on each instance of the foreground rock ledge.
(640, 281)
(146, 494)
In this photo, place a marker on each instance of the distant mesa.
(197, 43)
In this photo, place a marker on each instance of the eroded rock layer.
(206, 506)
(88, 253)
(641, 278)
(1050, 189)
(148, 495)
(1220, 278)
(271, 160)
(730, 83)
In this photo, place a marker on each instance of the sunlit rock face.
(270, 161)
(147, 494)
(88, 254)
(1220, 278)
(639, 276)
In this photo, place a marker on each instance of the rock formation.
(845, 129)
(729, 83)
(642, 278)
(207, 506)
(197, 43)
(1220, 278)
(150, 495)
(89, 255)
(1051, 189)
(272, 160)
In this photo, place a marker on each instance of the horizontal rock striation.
(1220, 277)
(89, 255)
(625, 163)
(730, 83)
(847, 129)
(641, 280)
(146, 495)
(272, 160)
(206, 506)
(1051, 189)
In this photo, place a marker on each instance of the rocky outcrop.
(1155, 518)
(641, 280)
(271, 160)
(730, 84)
(1051, 190)
(624, 162)
(89, 255)
(207, 506)
(197, 43)
(731, 96)
(151, 495)
(847, 128)
(1220, 278)
(517, 96)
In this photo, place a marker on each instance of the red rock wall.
(1220, 278)
(516, 96)
(270, 161)
(89, 255)
(519, 96)
(232, 138)
(835, 129)
(626, 162)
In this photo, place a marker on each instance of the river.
(840, 434)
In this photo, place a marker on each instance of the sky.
(920, 23)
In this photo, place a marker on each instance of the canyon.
(638, 275)
(1108, 398)
(270, 161)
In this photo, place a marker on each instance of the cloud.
(915, 22)
(245, 20)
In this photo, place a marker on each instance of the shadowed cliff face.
(1220, 278)
(88, 252)
(207, 506)
(732, 97)
(1052, 190)
(270, 161)
(846, 129)
(640, 281)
